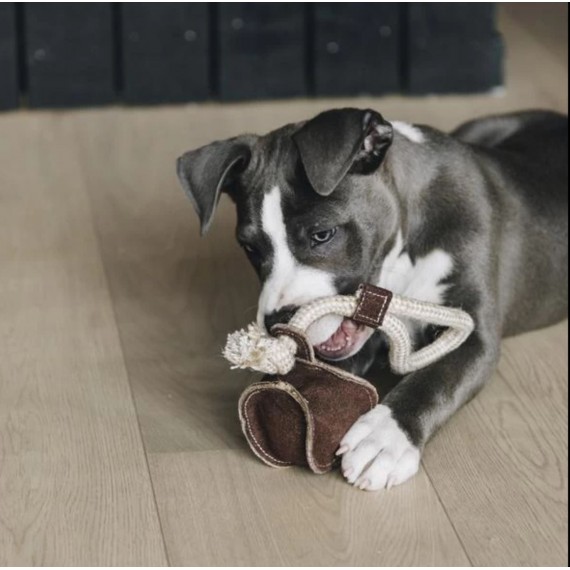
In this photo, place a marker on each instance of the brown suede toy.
(299, 412)
(300, 417)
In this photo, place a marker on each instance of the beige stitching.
(363, 383)
(364, 318)
(250, 431)
(307, 412)
(341, 376)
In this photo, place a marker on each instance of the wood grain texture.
(547, 24)
(74, 487)
(74, 483)
(176, 296)
(251, 514)
(500, 466)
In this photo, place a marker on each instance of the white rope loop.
(402, 360)
(342, 305)
(255, 349)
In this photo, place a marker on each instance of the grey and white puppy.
(477, 219)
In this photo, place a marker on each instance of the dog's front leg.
(384, 446)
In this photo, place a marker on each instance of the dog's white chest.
(423, 280)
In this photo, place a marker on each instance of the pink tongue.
(349, 327)
(339, 339)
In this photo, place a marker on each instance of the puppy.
(476, 219)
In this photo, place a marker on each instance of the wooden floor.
(119, 438)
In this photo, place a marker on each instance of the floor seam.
(455, 531)
(127, 372)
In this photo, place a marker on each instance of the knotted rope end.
(253, 349)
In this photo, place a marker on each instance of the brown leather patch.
(372, 305)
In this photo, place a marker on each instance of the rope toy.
(254, 349)
(302, 408)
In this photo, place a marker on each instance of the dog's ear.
(337, 141)
(206, 171)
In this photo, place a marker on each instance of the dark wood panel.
(262, 50)
(452, 19)
(165, 51)
(9, 95)
(356, 48)
(80, 54)
(453, 48)
(70, 53)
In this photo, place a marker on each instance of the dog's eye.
(324, 236)
(252, 252)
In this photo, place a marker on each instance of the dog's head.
(313, 214)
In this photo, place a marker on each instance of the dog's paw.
(376, 453)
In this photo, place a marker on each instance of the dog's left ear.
(205, 172)
(336, 141)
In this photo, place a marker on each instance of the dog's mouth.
(346, 341)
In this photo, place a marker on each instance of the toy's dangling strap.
(371, 306)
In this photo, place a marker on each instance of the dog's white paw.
(376, 453)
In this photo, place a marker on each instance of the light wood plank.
(500, 466)
(74, 485)
(226, 508)
(546, 22)
(176, 296)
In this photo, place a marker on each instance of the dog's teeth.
(340, 345)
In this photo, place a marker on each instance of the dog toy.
(299, 412)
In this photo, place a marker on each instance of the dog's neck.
(406, 178)
(407, 170)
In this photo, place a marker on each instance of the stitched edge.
(361, 306)
(266, 457)
(315, 467)
(247, 429)
(348, 377)
(366, 294)
(371, 393)
(309, 438)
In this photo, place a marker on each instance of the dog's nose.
(282, 317)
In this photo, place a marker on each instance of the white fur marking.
(291, 283)
(378, 453)
(411, 132)
(422, 281)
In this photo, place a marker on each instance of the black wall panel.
(356, 48)
(70, 53)
(165, 51)
(9, 96)
(262, 50)
(453, 48)
(60, 54)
